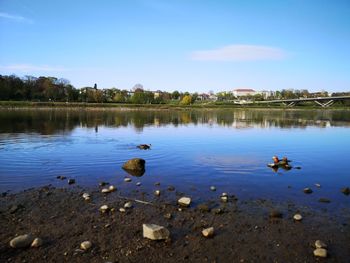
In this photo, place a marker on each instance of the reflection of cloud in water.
(230, 164)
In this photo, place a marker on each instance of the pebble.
(218, 211)
(224, 199)
(324, 200)
(22, 241)
(212, 188)
(157, 183)
(127, 179)
(320, 252)
(122, 210)
(102, 183)
(138, 183)
(276, 214)
(171, 188)
(208, 232)
(128, 205)
(157, 192)
(86, 196)
(307, 190)
(203, 208)
(297, 217)
(224, 194)
(85, 245)
(184, 201)
(71, 181)
(318, 185)
(320, 244)
(111, 188)
(168, 216)
(105, 191)
(37, 242)
(104, 208)
(155, 232)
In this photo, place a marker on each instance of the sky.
(185, 45)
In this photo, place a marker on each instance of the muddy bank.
(244, 230)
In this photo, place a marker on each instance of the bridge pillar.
(326, 104)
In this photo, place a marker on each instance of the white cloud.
(31, 68)
(239, 53)
(15, 17)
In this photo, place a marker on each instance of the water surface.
(191, 150)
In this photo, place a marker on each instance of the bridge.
(324, 102)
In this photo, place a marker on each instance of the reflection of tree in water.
(51, 121)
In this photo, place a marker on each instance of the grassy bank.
(213, 105)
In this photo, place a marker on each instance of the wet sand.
(244, 230)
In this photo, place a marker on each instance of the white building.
(243, 92)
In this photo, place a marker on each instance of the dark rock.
(297, 167)
(171, 188)
(3, 194)
(102, 183)
(144, 146)
(307, 190)
(13, 209)
(61, 177)
(345, 190)
(218, 211)
(135, 166)
(203, 208)
(324, 200)
(276, 214)
(71, 181)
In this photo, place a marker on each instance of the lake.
(191, 150)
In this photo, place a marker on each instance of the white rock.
(37, 242)
(85, 245)
(157, 192)
(111, 188)
(86, 195)
(297, 217)
(105, 190)
(224, 194)
(138, 183)
(127, 179)
(320, 244)
(213, 188)
(128, 205)
(320, 252)
(224, 198)
(184, 201)
(208, 232)
(122, 210)
(318, 185)
(22, 241)
(155, 232)
(104, 208)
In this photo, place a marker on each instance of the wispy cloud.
(240, 53)
(16, 18)
(32, 68)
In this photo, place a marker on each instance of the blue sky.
(186, 45)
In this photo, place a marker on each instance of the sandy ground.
(244, 230)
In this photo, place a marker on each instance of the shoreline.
(245, 231)
(120, 106)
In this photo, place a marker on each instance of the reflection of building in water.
(156, 122)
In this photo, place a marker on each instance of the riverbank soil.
(244, 230)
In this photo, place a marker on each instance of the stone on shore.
(22, 241)
(112, 188)
(86, 196)
(320, 244)
(104, 208)
(184, 201)
(37, 242)
(276, 214)
(135, 164)
(128, 205)
(224, 198)
(105, 191)
(320, 252)
(155, 232)
(86, 245)
(157, 192)
(297, 217)
(208, 232)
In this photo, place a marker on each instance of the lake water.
(191, 150)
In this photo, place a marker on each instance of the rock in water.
(345, 190)
(71, 181)
(212, 188)
(111, 188)
(22, 241)
(135, 164)
(155, 232)
(320, 244)
(157, 192)
(85, 245)
(320, 252)
(208, 232)
(37, 242)
(324, 200)
(307, 190)
(127, 179)
(184, 201)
